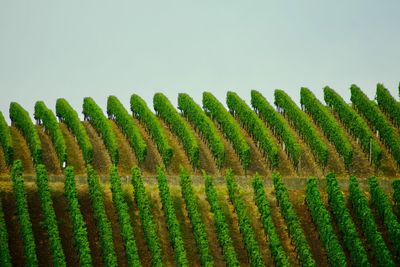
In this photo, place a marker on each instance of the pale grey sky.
(73, 49)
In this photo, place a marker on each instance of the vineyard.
(264, 183)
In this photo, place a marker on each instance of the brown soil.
(153, 158)
(186, 227)
(21, 150)
(357, 223)
(116, 229)
(281, 228)
(179, 158)
(388, 165)
(258, 229)
(101, 158)
(3, 165)
(64, 223)
(232, 160)
(207, 217)
(74, 153)
(207, 161)
(88, 216)
(232, 221)
(127, 158)
(159, 219)
(335, 162)
(49, 155)
(12, 224)
(310, 231)
(144, 253)
(259, 163)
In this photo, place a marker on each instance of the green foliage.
(25, 224)
(250, 241)
(5, 258)
(360, 206)
(6, 141)
(125, 121)
(45, 115)
(224, 239)
(303, 125)
(396, 194)
(68, 115)
(292, 221)
(255, 126)
(371, 112)
(382, 205)
(141, 111)
(103, 224)
(323, 222)
(345, 224)
(103, 127)
(80, 237)
(328, 124)
(198, 227)
(204, 125)
(20, 118)
(50, 220)
(278, 124)
(146, 219)
(174, 231)
(275, 245)
(355, 124)
(179, 126)
(388, 104)
(124, 220)
(229, 127)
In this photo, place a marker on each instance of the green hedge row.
(248, 235)
(224, 239)
(80, 236)
(95, 115)
(50, 220)
(45, 115)
(387, 133)
(146, 218)
(174, 230)
(6, 141)
(328, 124)
(275, 244)
(382, 205)
(68, 115)
(388, 104)
(102, 222)
(278, 125)
(179, 126)
(292, 221)
(25, 225)
(125, 121)
(198, 227)
(141, 111)
(5, 258)
(21, 119)
(303, 125)
(360, 206)
(255, 126)
(124, 220)
(396, 195)
(355, 124)
(323, 222)
(229, 127)
(205, 126)
(351, 240)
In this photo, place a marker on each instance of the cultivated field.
(203, 184)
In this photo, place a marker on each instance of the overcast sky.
(73, 49)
